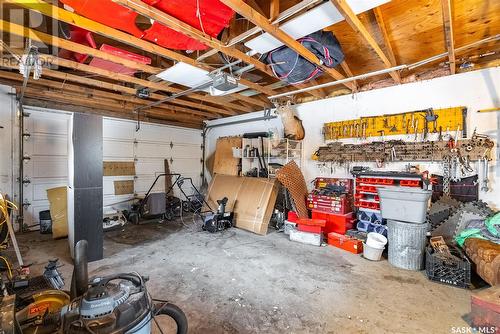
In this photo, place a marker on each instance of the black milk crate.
(454, 271)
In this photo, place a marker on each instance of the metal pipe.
(462, 48)
(241, 121)
(338, 82)
(20, 217)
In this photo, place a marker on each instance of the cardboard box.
(251, 199)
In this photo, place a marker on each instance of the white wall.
(474, 90)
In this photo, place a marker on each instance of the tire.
(169, 215)
(186, 206)
(175, 313)
(133, 218)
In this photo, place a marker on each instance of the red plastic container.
(338, 223)
(345, 242)
(409, 183)
(310, 228)
(312, 221)
(292, 216)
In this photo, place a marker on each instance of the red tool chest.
(313, 225)
(345, 242)
(324, 182)
(338, 223)
(330, 204)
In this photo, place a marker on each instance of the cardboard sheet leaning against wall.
(58, 205)
(251, 199)
(224, 162)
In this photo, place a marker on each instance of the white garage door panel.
(188, 137)
(46, 167)
(149, 167)
(152, 150)
(186, 165)
(116, 149)
(118, 129)
(186, 151)
(47, 148)
(47, 145)
(7, 114)
(38, 191)
(108, 187)
(143, 183)
(154, 133)
(41, 122)
(112, 200)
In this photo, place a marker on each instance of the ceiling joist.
(448, 34)
(178, 25)
(55, 41)
(383, 29)
(74, 19)
(351, 18)
(253, 16)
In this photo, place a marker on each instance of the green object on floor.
(468, 233)
(493, 224)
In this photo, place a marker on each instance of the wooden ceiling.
(398, 32)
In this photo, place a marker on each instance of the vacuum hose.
(175, 313)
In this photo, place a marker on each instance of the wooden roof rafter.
(448, 33)
(379, 17)
(261, 21)
(63, 15)
(55, 41)
(351, 18)
(176, 24)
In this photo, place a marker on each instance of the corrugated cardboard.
(58, 203)
(118, 168)
(251, 199)
(124, 187)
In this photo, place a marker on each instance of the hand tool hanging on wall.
(484, 170)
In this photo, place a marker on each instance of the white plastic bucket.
(376, 240)
(372, 253)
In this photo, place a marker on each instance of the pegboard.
(473, 149)
(118, 168)
(413, 122)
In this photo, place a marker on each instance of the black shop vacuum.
(112, 304)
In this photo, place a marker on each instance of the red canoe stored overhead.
(210, 16)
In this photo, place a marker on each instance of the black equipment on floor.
(117, 303)
(160, 205)
(219, 221)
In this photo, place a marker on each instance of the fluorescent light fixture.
(313, 20)
(191, 76)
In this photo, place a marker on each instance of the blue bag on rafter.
(289, 66)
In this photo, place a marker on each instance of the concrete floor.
(239, 282)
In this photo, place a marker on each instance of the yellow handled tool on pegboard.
(447, 120)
